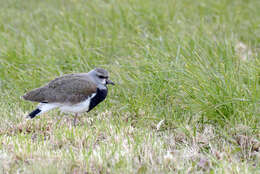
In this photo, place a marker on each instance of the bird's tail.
(42, 107)
(34, 113)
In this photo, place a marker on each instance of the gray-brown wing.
(71, 88)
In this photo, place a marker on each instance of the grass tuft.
(187, 89)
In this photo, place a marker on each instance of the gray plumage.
(70, 88)
(71, 92)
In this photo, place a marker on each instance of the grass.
(187, 98)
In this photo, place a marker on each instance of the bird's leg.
(75, 119)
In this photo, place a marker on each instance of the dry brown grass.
(98, 145)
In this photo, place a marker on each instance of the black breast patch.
(99, 97)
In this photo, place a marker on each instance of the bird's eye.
(102, 77)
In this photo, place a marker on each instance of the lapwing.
(75, 93)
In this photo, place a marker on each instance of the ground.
(187, 94)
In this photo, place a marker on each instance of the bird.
(75, 93)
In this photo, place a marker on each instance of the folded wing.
(72, 88)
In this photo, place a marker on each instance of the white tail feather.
(44, 107)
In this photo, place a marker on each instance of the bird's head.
(101, 77)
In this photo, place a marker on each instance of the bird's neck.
(102, 87)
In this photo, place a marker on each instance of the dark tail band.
(34, 113)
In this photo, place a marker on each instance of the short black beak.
(110, 82)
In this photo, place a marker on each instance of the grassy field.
(187, 94)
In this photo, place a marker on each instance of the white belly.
(77, 108)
